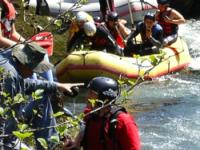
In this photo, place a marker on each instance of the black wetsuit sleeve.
(76, 39)
(105, 33)
(133, 34)
(112, 46)
(158, 39)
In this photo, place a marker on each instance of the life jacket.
(7, 18)
(117, 37)
(101, 131)
(168, 28)
(99, 40)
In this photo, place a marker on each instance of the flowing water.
(168, 108)
(170, 119)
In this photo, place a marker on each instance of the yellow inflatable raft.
(81, 66)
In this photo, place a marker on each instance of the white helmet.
(81, 16)
(89, 28)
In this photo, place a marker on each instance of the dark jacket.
(102, 40)
(157, 34)
(13, 83)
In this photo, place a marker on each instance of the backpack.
(115, 111)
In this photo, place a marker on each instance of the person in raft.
(151, 35)
(169, 19)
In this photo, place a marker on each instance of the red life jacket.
(99, 41)
(118, 38)
(7, 20)
(100, 131)
(168, 28)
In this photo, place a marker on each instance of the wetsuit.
(102, 40)
(146, 47)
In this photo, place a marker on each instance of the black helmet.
(163, 2)
(150, 16)
(106, 88)
(112, 16)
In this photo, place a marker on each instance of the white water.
(169, 107)
(169, 117)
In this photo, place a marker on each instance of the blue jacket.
(13, 83)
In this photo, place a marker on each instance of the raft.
(137, 7)
(82, 66)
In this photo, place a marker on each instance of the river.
(168, 108)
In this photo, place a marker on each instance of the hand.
(66, 87)
(167, 19)
(69, 144)
(148, 34)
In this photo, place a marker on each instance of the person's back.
(98, 36)
(117, 132)
(169, 19)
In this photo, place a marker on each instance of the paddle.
(131, 15)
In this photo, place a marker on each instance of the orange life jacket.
(7, 20)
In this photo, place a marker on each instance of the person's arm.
(15, 36)
(127, 133)
(112, 44)
(14, 39)
(5, 42)
(123, 29)
(175, 17)
(50, 87)
(133, 34)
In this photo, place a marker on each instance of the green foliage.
(22, 135)
(55, 139)
(19, 98)
(58, 114)
(37, 95)
(92, 102)
(62, 130)
(84, 1)
(43, 143)
(1, 111)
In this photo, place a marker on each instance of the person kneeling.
(151, 35)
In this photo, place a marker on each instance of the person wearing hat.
(18, 64)
(107, 125)
(169, 19)
(151, 35)
(117, 27)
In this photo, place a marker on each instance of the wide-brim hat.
(32, 55)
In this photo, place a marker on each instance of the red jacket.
(126, 134)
